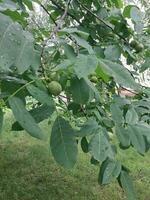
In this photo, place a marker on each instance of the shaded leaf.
(24, 118)
(12, 36)
(69, 52)
(100, 147)
(132, 116)
(84, 145)
(83, 43)
(63, 143)
(112, 52)
(120, 74)
(39, 114)
(40, 95)
(117, 113)
(80, 90)
(84, 65)
(127, 185)
(90, 127)
(145, 65)
(123, 136)
(109, 171)
(137, 139)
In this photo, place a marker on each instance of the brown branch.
(48, 14)
(101, 20)
(126, 92)
(62, 9)
(59, 24)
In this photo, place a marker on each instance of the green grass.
(28, 172)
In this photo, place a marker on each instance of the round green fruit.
(133, 43)
(55, 88)
(94, 79)
(137, 46)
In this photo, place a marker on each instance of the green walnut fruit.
(137, 46)
(94, 79)
(55, 88)
(133, 44)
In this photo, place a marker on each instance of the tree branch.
(59, 24)
(101, 20)
(68, 13)
(48, 13)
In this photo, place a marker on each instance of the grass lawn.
(28, 172)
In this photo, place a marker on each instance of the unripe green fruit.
(94, 79)
(137, 46)
(55, 88)
(133, 43)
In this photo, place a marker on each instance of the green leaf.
(145, 65)
(99, 52)
(24, 118)
(143, 129)
(118, 3)
(84, 145)
(123, 136)
(102, 75)
(120, 74)
(12, 36)
(80, 91)
(65, 64)
(132, 116)
(84, 65)
(100, 147)
(117, 113)
(83, 43)
(127, 185)
(90, 127)
(21, 5)
(1, 119)
(93, 91)
(69, 52)
(40, 95)
(63, 143)
(74, 30)
(39, 114)
(127, 9)
(28, 3)
(137, 139)
(112, 52)
(109, 171)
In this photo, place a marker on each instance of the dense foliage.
(73, 65)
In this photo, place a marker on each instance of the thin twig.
(82, 110)
(59, 24)
(56, 29)
(48, 14)
(101, 20)
(68, 13)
